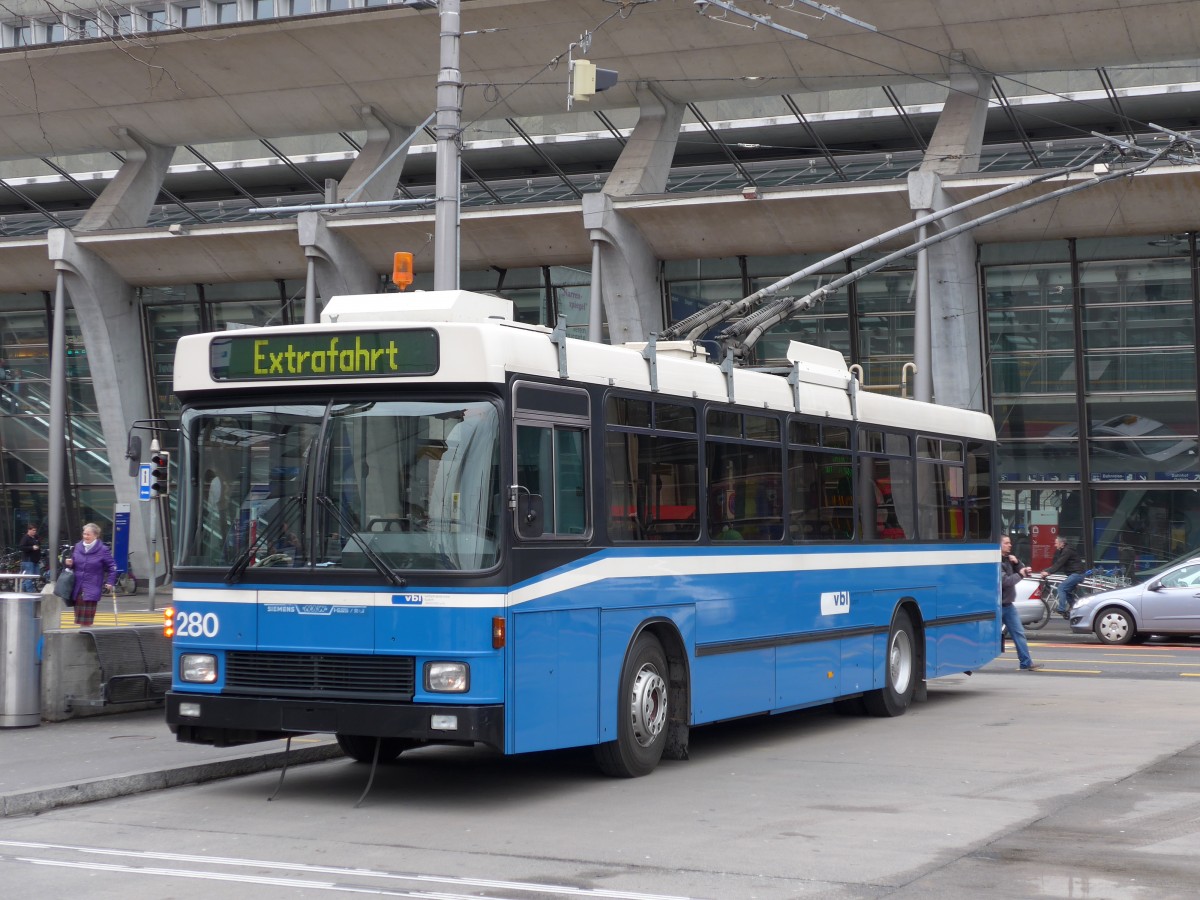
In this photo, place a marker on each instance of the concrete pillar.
(340, 268)
(109, 319)
(624, 270)
(958, 137)
(127, 200)
(952, 336)
(956, 326)
(375, 172)
(645, 162)
(629, 272)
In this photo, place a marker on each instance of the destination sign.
(350, 354)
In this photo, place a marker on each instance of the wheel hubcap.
(649, 705)
(900, 661)
(1114, 627)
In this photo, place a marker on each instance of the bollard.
(20, 660)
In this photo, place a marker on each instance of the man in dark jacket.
(1066, 562)
(31, 556)
(1011, 572)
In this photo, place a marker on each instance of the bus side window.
(885, 494)
(551, 462)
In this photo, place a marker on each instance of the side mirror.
(133, 453)
(529, 515)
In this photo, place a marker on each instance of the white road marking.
(564, 890)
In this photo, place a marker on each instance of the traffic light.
(160, 473)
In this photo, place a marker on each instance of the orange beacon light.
(402, 273)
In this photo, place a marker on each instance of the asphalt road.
(1063, 653)
(1003, 784)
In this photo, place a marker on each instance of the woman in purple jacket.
(95, 573)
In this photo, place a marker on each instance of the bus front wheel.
(361, 748)
(899, 671)
(642, 713)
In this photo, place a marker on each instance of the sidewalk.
(82, 760)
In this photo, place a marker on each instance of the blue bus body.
(633, 587)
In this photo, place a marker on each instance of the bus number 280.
(194, 624)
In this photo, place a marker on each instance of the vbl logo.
(835, 603)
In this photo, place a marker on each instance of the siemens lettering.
(350, 361)
(282, 355)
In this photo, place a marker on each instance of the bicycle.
(10, 560)
(1047, 592)
(1095, 581)
(10, 564)
(126, 584)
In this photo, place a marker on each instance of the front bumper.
(226, 721)
(1081, 623)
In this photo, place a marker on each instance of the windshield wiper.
(274, 523)
(374, 558)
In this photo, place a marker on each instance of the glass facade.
(25, 326)
(870, 322)
(1091, 350)
(1100, 332)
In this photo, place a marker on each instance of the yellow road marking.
(1165, 662)
(67, 620)
(1112, 661)
(1116, 648)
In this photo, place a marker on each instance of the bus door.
(553, 636)
(551, 482)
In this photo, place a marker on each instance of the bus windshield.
(342, 485)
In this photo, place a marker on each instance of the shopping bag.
(64, 587)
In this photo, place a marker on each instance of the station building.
(153, 157)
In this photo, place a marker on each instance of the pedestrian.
(31, 556)
(1066, 561)
(1011, 572)
(95, 573)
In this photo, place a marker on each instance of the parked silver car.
(1167, 603)
(1033, 612)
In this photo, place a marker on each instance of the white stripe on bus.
(608, 568)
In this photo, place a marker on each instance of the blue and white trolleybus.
(421, 521)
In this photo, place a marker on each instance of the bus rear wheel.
(642, 713)
(899, 672)
(361, 747)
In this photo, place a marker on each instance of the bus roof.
(460, 337)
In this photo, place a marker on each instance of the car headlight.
(198, 668)
(447, 677)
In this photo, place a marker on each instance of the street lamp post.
(448, 175)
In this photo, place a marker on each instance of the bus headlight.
(447, 677)
(198, 668)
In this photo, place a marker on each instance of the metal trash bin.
(20, 660)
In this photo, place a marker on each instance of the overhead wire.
(626, 8)
(962, 62)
